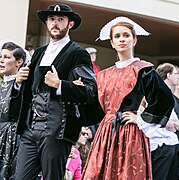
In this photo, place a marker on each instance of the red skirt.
(130, 160)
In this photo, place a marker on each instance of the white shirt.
(157, 135)
(53, 50)
(122, 64)
(8, 78)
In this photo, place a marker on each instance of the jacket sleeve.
(158, 96)
(77, 93)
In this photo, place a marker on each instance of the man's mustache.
(55, 27)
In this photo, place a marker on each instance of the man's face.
(174, 77)
(58, 26)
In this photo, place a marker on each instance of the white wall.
(165, 9)
(13, 18)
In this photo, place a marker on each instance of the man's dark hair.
(164, 69)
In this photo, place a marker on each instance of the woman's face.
(83, 136)
(8, 64)
(122, 39)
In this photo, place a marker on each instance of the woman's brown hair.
(125, 24)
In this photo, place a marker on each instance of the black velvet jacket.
(156, 92)
(64, 119)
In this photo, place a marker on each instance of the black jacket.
(65, 111)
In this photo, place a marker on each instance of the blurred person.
(168, 72)
(85, 144)
(91, 132)
(83, 137)
(53, 101)
(93, 53)
(121, 148)
(176, 91)
(12, 57)
(30, 49)
(92, 129)
(74, 162)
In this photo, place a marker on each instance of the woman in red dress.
(120, 150)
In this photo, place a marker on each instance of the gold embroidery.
(4, 84)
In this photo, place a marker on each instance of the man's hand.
(52, 79)
(22, 74)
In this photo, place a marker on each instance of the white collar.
(122, 64)
(8, 78)
(61, 42)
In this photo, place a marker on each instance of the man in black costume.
(55, 89)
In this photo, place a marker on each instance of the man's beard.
(61, 34)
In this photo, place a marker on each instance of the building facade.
(160, 17)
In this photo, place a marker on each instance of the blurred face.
(122, 40)
(8, 64)
(58, 26)
(90, 135)
(83, 136)
(31, 52)
(173, 77)
(93, 57)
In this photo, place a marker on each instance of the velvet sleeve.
(77, 93)
(158, 96)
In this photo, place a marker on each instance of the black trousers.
(38, 152)
(178, 163)
(165, 163)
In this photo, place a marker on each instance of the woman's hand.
(78, 82)
(22, 74)
(129, 117)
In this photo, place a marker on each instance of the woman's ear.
(135, 41)
(19, 63)
(112, 44)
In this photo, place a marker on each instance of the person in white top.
(169, 73)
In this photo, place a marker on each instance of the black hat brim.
(42, 15)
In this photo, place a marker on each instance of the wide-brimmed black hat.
(60, 9)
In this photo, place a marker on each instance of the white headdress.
(2, 42)
(105, 31)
